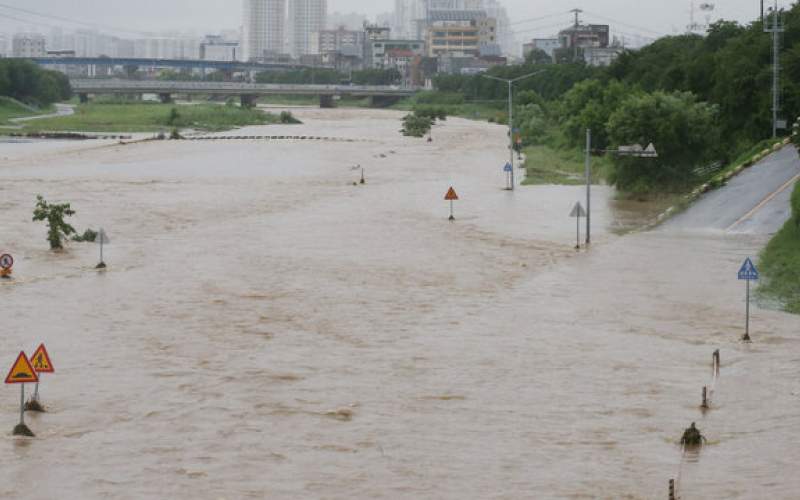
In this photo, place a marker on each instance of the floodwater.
(268, 330)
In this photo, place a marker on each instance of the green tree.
(682, 130)
(57, 228)
(538, 56)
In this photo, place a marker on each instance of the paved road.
(755, 201)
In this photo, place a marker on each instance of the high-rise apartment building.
(263, 28)
(306, 17)
(28, 45)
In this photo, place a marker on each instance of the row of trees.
(700, 99)
(27, 82)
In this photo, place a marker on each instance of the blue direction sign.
(516, 130)
(508, 168)
(748, 271)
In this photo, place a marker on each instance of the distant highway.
(755, 201)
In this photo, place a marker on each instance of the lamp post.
(633, 150)
(510, 83)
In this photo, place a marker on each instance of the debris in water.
(34, 405)
(22, 430)
(343, 414)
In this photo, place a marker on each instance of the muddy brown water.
(268, 330)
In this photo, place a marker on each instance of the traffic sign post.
(451, 196)
(509, 170)
(6, 264)
(21, 373)
(578, 212)
(41, 364)
(102, 239)
(748, 273)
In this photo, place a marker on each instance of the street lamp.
(633, 150)
(510, 83)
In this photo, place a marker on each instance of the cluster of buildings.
(418, 39)
(588, 42)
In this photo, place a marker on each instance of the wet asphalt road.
(756, 201)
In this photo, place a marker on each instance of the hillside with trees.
(702, 100)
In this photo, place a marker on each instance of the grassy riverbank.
(780, 261)
(547, 165)
(9, 108)
(149, 116)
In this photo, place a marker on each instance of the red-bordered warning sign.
(41, 361)
(451, 195)
(6, 261)
(21, 372)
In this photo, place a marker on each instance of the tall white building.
(28, 45)
(263, 28)
(306, 17)
(407, 16)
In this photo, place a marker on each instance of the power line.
(537, 28)
(615, 21)
(533, 19)
(68, 20)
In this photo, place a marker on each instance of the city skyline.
(649, 18)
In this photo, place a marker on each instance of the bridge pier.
(166, 98)
(326, 101)
(248, 100)
(382, 101)
(83, 98)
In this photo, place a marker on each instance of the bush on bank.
(780, 261)
(26, 82)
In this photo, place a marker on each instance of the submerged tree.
(57, 228)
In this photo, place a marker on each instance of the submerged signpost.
(748, 273)
(41, 364)
(102, 239)
(451, 196)
(578, 212)
(6, 264)
(509, 170)
(21, 373)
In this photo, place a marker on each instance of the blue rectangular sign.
(508, 167)
(748, 271)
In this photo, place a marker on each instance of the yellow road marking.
(764, 202)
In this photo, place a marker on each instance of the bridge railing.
(83, 85)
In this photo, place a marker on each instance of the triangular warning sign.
(22, 371)
(451, 195)
(41, 361)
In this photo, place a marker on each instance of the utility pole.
(776, 31)
(511, 83)
(588, 168)
(574, 39)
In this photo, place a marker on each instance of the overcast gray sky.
(646, 17)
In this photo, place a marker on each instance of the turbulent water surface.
(266, 329)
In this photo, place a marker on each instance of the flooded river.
(268, 330)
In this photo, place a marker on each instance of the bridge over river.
(247, 92)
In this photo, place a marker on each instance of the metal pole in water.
(747, 315)
(21, 404)
(578, 226)
(671, 489)
(588, 186)
(511, 131)
(705, 398)
(36, 391)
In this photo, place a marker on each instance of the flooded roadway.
(268, 330)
